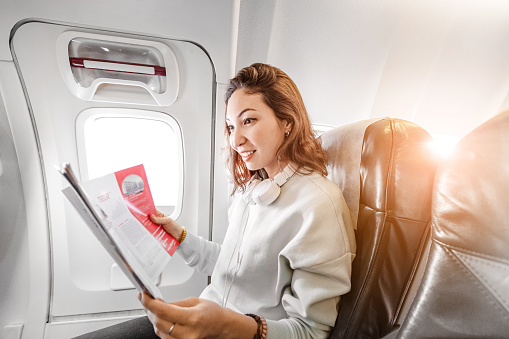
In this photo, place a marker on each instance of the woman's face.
(255, 132)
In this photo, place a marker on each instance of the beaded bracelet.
(184, 232)
(261, 332)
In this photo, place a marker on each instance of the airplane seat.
(465, 289)
(386, 172)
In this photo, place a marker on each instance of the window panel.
(112, 142)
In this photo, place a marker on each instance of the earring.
(287, 134)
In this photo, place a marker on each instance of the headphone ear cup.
(265, 192)
(248, 193)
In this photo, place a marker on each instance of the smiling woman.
(284, 211)
(255, 133)
(271, 91)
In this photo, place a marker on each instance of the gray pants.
(137, 328)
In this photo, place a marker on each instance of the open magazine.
(116, 208)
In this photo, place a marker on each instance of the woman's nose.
(237, 138)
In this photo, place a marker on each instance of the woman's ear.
(287, 127)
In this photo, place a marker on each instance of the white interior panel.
(111, 70)
(26, 299)
(76, 290)
(442, 64)
(14, 256)
(212, 24)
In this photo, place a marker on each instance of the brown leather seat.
(465, 289)
(392, 175)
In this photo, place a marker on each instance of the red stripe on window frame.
(80, 63)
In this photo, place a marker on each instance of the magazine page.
(116, 208)
(125, 200)
(127, 263)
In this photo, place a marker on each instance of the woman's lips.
(246, 155)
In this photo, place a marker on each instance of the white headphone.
(265, 192)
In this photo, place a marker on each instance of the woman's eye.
(248, 120)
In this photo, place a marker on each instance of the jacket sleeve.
(199, 253)
(311, 301)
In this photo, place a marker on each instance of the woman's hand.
(196, 318)
(169, 225)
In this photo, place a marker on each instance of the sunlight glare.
(443, 144)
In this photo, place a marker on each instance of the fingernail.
(139, 296)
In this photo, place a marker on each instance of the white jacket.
(294, 261)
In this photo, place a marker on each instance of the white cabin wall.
(13, 235)
(442, 64)
(24, 299)
(211, 24)
(27, 269)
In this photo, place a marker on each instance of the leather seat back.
(395, 176)
(465, 289)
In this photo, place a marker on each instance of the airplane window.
(114, 142)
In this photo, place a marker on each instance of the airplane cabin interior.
(409, 99)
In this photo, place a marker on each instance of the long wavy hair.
(279, 92)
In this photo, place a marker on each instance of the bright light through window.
(444, 144)
(113, 143)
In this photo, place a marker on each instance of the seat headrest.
(471, 194)
(386, 169)
(464, 292)
(344, 147)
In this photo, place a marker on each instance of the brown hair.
(281, 94)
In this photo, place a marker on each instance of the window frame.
(94, 113)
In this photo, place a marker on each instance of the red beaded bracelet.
(261, 332)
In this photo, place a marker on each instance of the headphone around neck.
(265, 192)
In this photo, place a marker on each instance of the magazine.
(116, 208)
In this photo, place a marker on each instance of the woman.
(288, 261)
(286, 258)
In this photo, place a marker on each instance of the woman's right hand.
(169, 225)
(196, 318)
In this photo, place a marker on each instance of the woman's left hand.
(196, 318)
(169, 225)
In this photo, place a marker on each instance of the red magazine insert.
(134, 186)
